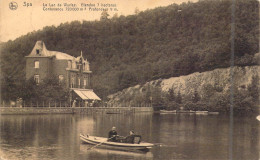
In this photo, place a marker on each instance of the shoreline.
(89, 110)
(70, 110)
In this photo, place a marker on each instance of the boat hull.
(165, 111)
(103, 143)
(201, 112)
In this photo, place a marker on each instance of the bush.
(199, 106)
(173, 106)
(49, 89)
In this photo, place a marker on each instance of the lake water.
(177, 136)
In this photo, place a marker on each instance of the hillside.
(159, 43)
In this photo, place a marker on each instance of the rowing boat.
(166, 111)
(103, 143)
(214, 113)
(201, 112)
(185, 111)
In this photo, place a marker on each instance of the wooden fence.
(36, 104)
(58, 104)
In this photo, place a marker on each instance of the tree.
(48, 89)
(179, 98)
(148, 94)
(171, 95)
(242, 102)
(27, 90)
(104, 16)
(253, 88)
(137, 11)
(115, 16)
(195, 97)
(157, 96)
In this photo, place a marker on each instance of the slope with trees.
(159, 43)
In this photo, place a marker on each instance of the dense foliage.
(49, 89)
(160, 43)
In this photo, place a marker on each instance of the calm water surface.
(177, 136)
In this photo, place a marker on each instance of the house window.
(79, 83)
(37, 51)
(37, 79)
(74, 65)
(72, 82)
(85, 83)
(36, 64)
(61, 78)
(69, 64)
(87, 67)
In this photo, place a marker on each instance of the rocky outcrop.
(186, 85)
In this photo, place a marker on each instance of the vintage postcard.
(129, 79)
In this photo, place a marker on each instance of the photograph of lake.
(129, 79)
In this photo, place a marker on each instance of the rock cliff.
(186, 85)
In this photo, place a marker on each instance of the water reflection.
(92, 154)
(177, 136)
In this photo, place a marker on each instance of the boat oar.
(99, 143)
(158, 144)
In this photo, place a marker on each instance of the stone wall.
(77, 110)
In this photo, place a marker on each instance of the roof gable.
(40, 50)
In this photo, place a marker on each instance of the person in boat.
(130, 138)
(112, 135)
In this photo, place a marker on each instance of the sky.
(32, 17)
